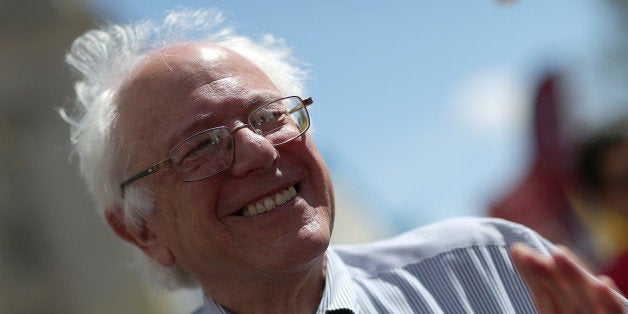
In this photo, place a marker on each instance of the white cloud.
(493, 104)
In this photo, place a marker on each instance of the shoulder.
(459, 265)
(436, 239)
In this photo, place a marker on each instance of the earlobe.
(141, 236)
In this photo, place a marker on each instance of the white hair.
(103, 58)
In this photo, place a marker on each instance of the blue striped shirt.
(456, 266)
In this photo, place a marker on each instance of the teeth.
(279, 199)
(270, 203)
(260, 209)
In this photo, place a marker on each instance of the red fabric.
(538, 200)
(619, 272)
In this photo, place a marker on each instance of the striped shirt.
(456, 266)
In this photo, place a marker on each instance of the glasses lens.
(204, 154)
(282, 120)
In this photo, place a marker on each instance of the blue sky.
(420, 106)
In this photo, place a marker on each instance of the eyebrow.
(259, 99)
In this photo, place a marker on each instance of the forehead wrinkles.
(219, 88)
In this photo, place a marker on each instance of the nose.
(253, 152)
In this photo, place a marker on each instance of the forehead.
(176, 71)
(177, 86)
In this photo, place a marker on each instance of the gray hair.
(103, 58)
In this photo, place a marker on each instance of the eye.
(270, 115)
(200, 148)
(205, 147)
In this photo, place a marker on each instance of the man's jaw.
(269, 203)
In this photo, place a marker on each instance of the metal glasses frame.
(166, 163)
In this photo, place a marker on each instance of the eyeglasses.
(210, 152)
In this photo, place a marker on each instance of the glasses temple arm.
(144, 173)
(305, 102)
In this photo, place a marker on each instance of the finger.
(534, 270)
(595, 296)
(610, 300)
(609, 281)
(586, 266)
(576, 258)
(578, 283)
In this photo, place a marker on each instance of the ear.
(142, 237)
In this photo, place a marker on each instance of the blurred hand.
(560, 284)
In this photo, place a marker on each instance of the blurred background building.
(403, 164)
(55, 255)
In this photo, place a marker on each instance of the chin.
(305, 250)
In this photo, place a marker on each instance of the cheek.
(197, 199)
(319, 173)
(186, 210)
(318, 166)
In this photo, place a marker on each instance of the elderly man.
(197, 153)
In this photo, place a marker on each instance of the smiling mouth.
(269, 203)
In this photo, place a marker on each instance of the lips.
(269, 203)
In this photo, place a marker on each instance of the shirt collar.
(339, 292)
(211, 307)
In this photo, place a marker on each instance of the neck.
(298, 292)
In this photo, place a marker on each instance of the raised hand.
(559, 284)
